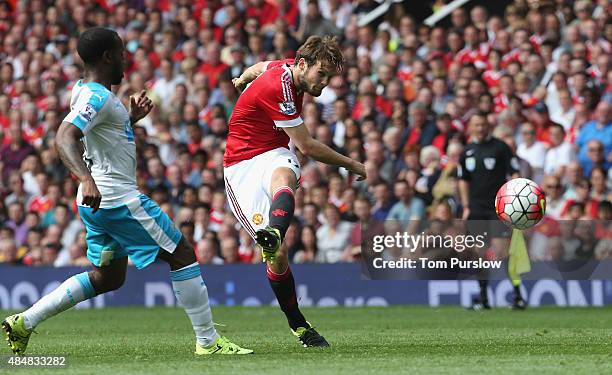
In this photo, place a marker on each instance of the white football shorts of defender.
(248, 186)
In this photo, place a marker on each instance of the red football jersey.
(267, 105)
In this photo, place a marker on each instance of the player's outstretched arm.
(320, 152)
(249, 75)
(70, 149)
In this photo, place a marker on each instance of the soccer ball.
(520, 203)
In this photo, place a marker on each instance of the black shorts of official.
(489, 223)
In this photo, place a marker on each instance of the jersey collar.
(288, 67)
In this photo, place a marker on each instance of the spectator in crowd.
(69, 228)
(229, 250)
(363, 231)
(423, 131)
(564, 113)
(573, 176)
(538, 116)
(600, 191)
(155, 169)
(78, 251)
(383, 201)
(532, 150)
(581, 198)
(16, 222)
(554, 196)
(332, 237)
(247, 252)
(207, 252)
(595, 156)
(375, 152)
(8, 251)
(50, 251)
(307, 248)
(598, 129)
(560, 153)
(430, 172)
(19, 194)
(314, 24)
(16, 149)
(164, 86)
(408, 209)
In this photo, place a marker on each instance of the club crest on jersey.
(470, 164)
(88, 113)
(489, 163)
(257, 219)
(287, 108)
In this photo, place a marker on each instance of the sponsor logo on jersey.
(470, 164)
(489, 163)
(257, 219)
(287, 108)
(88, 113)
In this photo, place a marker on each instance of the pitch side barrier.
(319, 285)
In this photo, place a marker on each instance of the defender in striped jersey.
(262, 172)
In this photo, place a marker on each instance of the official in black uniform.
(485, 165)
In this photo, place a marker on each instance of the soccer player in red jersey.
(262, 173)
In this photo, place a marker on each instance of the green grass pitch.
(409, 339)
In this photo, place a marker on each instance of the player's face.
(313, 79)
(118, 62)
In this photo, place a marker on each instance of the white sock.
(72, 291)
(192, 295)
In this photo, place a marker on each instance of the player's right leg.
(146, 233)
(192, 295)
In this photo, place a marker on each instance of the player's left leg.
(282, 187)
(147, 233)
(109, 261)
(283, 184)
(76, 289)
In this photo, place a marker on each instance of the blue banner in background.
(317, 285)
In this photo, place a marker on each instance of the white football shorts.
(247, 184)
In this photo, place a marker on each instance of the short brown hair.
(324, 49)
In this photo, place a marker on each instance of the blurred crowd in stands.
(541, 70)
